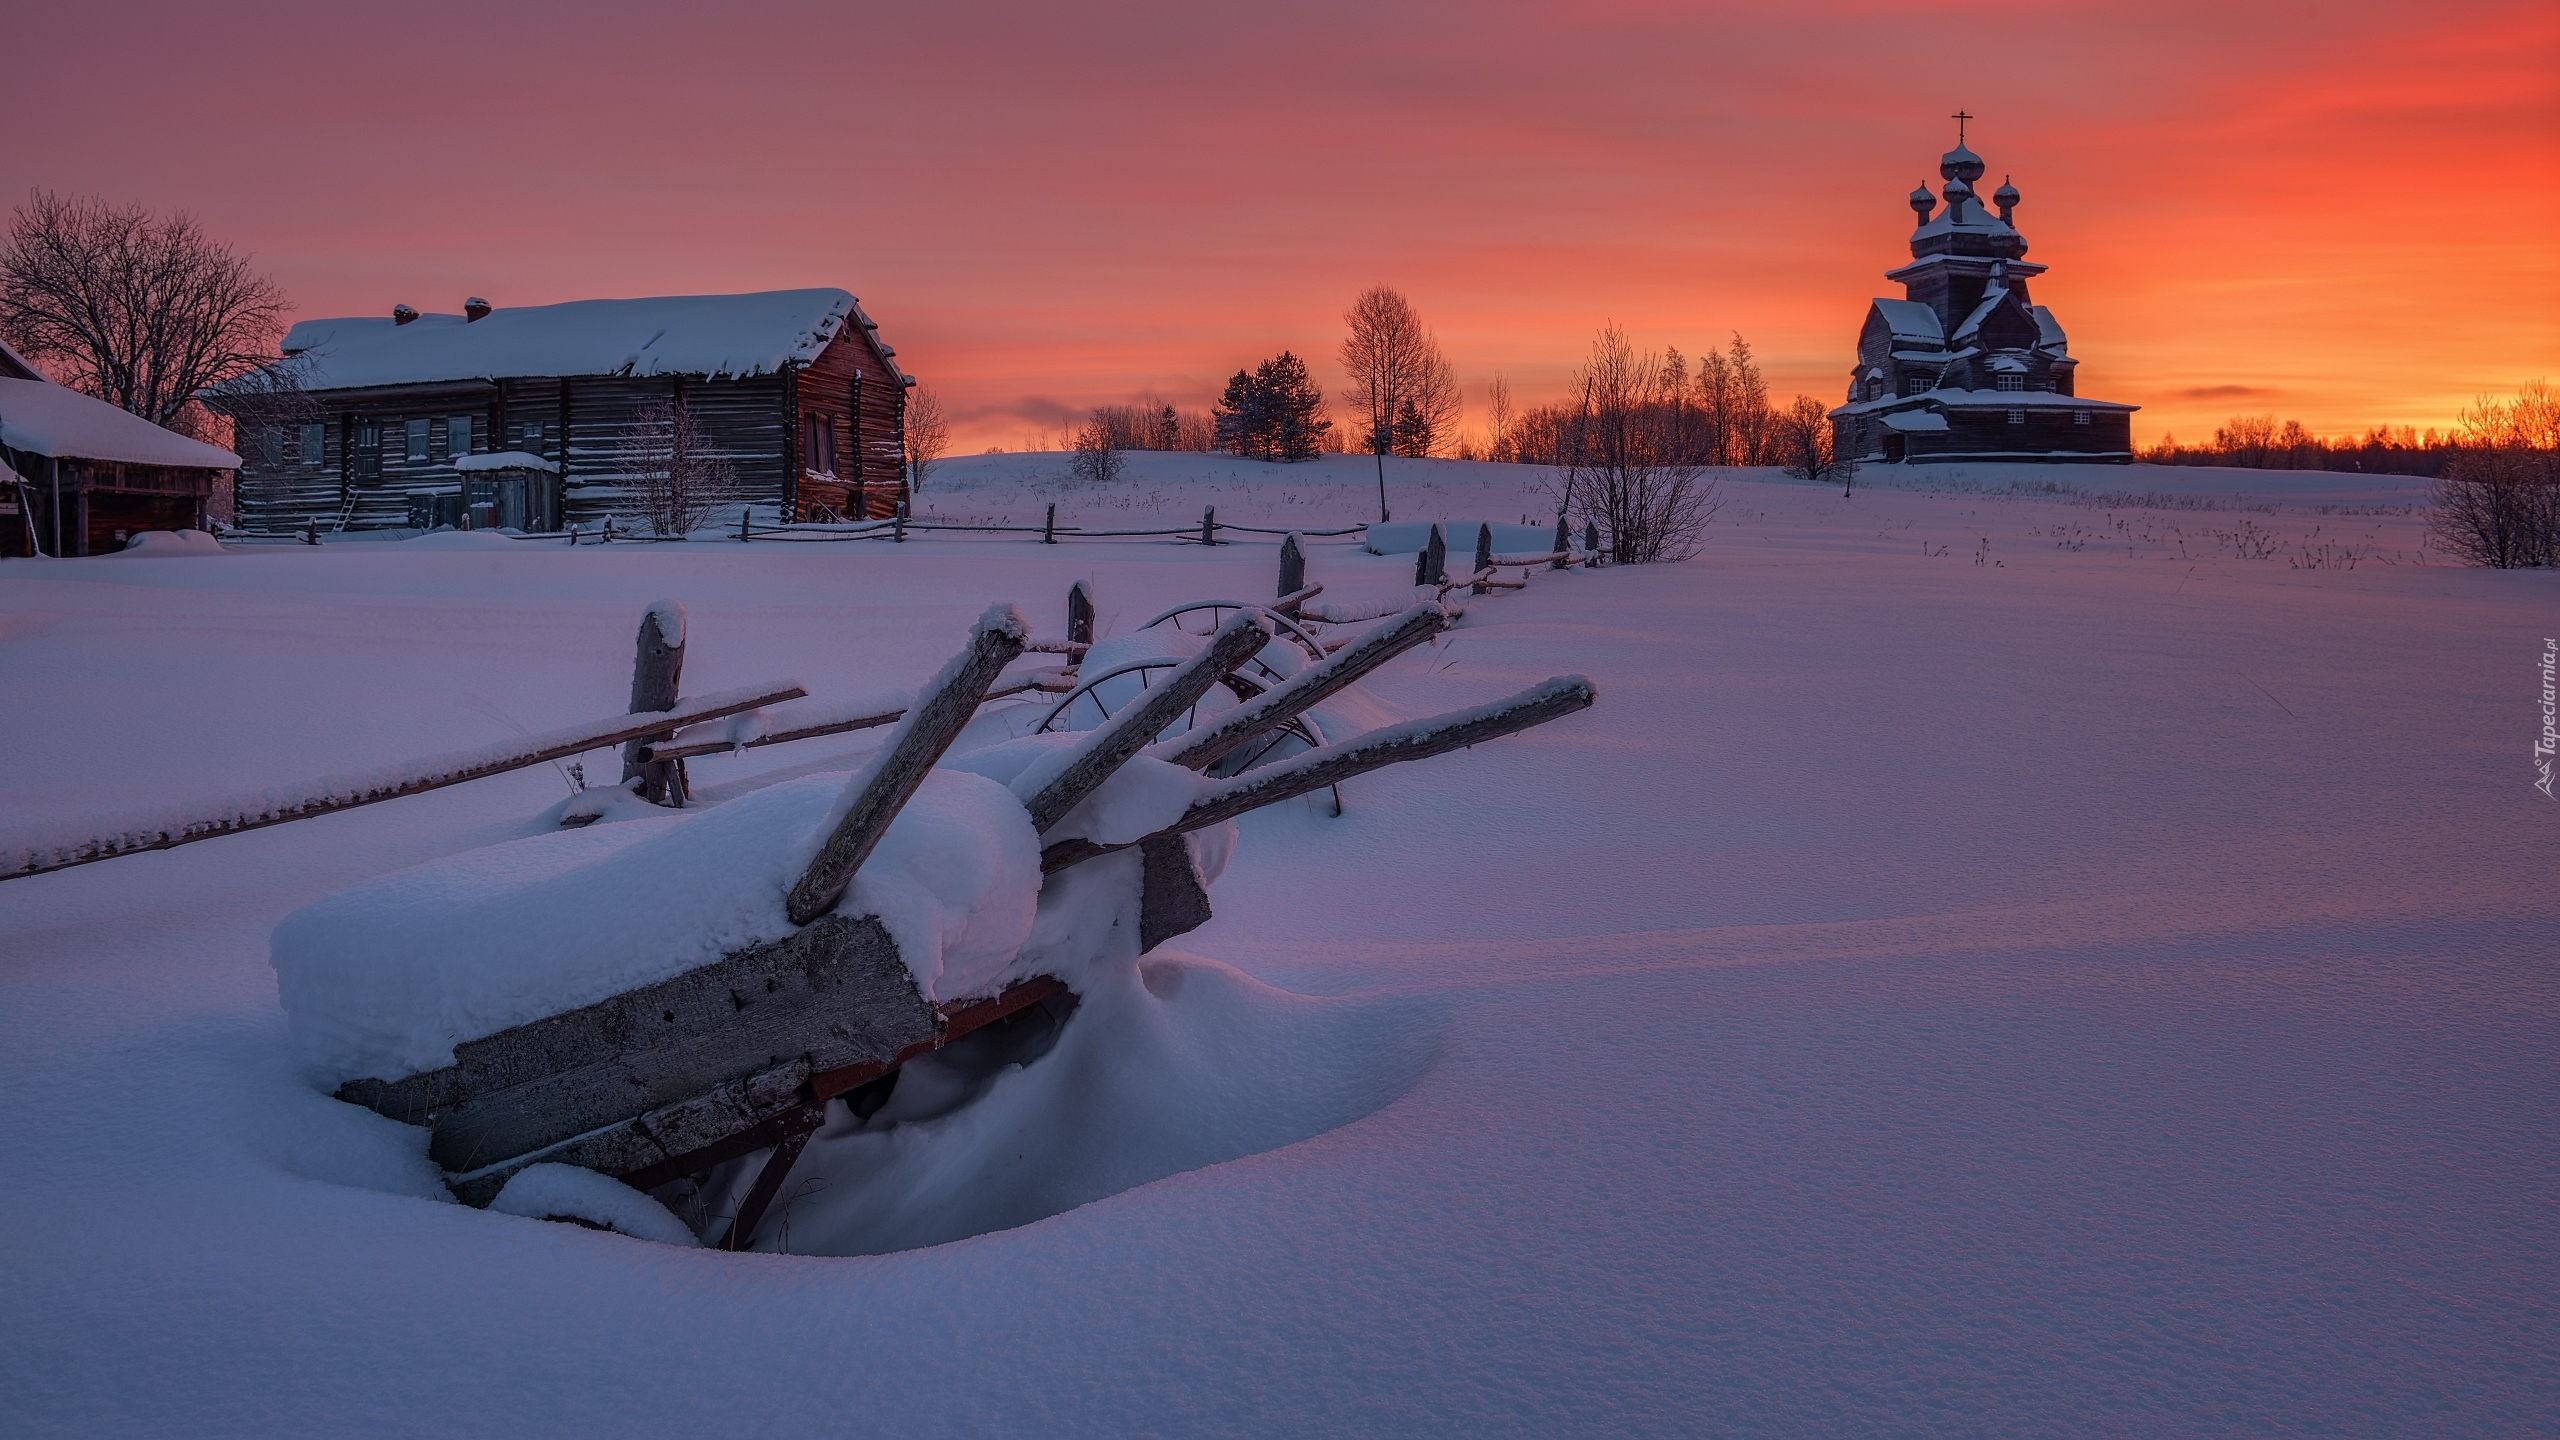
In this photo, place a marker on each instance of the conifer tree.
(1295, 407)
(1243, 421)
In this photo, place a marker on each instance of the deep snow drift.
(1991, 963)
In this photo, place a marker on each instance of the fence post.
(744, 535)
(656, 672)
(1293, 566)
(1564, 545)
(900, 533)
(1049, 527)
(1422, 566)
(1590, 543)
(311, 532)
(1435, 558)
(1208, 524)
(1484, 553)
(1080, 613)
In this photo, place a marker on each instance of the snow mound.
(558, 1192)
(1169, 1064)
(157, 544)
(383, 980)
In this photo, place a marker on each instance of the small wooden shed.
(79, 476)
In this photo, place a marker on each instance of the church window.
(2079, 417)
(2017, 417)
(1916, 385)
(2012, 382)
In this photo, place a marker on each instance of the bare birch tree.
(1499, 442)
(678, 480)
(1402, 387)
(1620, 467)
(140, 311)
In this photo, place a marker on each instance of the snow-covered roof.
(1948, 399)
(1910, 320)
(39, 417)
(503, 460)
(1991, 300)
(1976, 221)
(1914, 422)
(2049, 329)
(15, 366)
(711, 335)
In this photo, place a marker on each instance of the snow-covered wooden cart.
(660, 1081)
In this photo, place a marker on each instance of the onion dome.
(2006, 197)
(1960, 164)
(1922, 202)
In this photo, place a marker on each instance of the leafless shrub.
(140, 311)
(928, 434)
(1621, 469)
(1098, 452)
(2498, 500)
(677, 479)
(1807, 447)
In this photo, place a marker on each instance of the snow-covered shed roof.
(711, 335)
(38, 417)
(1911, 320)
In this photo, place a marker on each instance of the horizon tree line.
(151, 314)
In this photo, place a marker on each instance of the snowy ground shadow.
(1175, 1064)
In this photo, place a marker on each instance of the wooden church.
(1966, 366)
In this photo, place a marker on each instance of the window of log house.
(457, 435)
(417, 440)
(820, 453)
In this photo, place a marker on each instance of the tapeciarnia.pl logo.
(2550, 737)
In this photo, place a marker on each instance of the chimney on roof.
(402, 314)
(473, 309)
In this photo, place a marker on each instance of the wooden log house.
(1966, 366)
(794, 389)
(80, 477)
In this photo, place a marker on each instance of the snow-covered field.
(1991, 963)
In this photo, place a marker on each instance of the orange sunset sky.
(2345, 213)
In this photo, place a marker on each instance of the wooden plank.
(741, 1233)
(1391, 745)
(1201, 748)
(930, 729)
(959, 1017)
(1171, 898)
(861, 717)
(1110, 745)
(835, 992)
(734, 1118)
(327, 796)
(656, 670)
